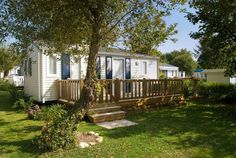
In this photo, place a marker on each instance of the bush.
(11, 88)
(34, 112)
(52, 113)
(219, 92)
(23, 103)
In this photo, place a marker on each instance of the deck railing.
(116, 90)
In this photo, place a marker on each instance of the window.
(144, 67)
(127, 68)
(173, 73)
(98, 67)
(30, 67)
(108, 68)
(52, 65)
(25, 68)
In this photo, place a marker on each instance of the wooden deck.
(115, 91)
(118, 95)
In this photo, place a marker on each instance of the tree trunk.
(5, 73)
(88, 94)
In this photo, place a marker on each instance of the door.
(65, 66)
(118, 68)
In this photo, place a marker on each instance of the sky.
(184, 28)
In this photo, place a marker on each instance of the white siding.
(74, 69)
(217, 77)
(136, 67)
(48, 80)
(233, 80)
(137, 71)
(31, 83)
(83, 68)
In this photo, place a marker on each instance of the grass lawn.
(196, 130)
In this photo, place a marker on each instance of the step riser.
(107, 118)
(100, 111)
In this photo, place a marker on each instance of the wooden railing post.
(166, 87)
(144, 88)
(117, 90)
(69, 90)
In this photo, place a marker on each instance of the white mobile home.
(169, 71)
(42, 71)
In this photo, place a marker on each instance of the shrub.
(34, 112)
(187, 87)
(11, 88)
(219, 92)
(23, 103)
(52, 113)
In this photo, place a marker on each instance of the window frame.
(145, 70)
(98, 69)
(26, 67)
(48, 66)
(29, 66)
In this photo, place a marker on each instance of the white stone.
(91, 133)
(116, 124)
(96, 134)
(99, 139)
(83, 145)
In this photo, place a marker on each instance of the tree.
(75, 26)
(217, 32)
(183, 59)
(8, 59)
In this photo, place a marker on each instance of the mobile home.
(41, 71)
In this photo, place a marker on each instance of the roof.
(167, 65)
(125, 53)
(214, 70)
(199, 70)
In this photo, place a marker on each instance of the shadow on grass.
(198, 125)
(25, 146)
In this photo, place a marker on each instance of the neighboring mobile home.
(218, 75)
(199, 73)
(169, 71)
(42, 71)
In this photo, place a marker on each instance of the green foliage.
(52, 113)
(183, 59)
(149, 32)
(218, 92)
(23, 103)
(11, 88)
(57, 134)
(188, 88)
(8, 59)
(162, 75)
(217, 28)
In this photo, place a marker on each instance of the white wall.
(233, 80)
(217, 77)
(32, 83)
(136, 67)
(75, 69)
(49, 92)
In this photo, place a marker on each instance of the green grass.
(196, 130)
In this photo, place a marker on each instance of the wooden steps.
(102, 114)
